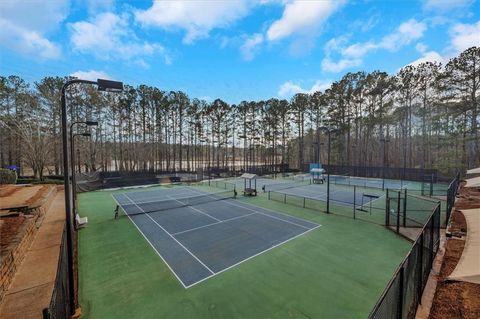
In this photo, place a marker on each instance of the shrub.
(7, 176)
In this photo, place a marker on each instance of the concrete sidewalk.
(31, 289)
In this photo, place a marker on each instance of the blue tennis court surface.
(341, 196)
(367, 182)
(199, 235)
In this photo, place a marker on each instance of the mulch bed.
(457, 299)
(34, 200)
(9, 227)
(7, 190)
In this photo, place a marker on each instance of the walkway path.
(32, 287)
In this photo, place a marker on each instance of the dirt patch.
(9, 227)
(455, 299)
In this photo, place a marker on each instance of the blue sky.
(233, 50)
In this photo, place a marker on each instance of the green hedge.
(36, 181)
(7, 176)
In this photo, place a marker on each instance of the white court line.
(236, 264)
(155, 249)
(259, 212)
(208, 225)
(193, 208)
(253, 256)
(172, 237)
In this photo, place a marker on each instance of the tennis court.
(368, 182)
(341, 196)
(262, 183)
(200, 234)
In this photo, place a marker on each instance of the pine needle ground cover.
(336, 271)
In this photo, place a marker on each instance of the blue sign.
(13, 168)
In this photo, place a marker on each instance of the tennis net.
(219, 184)
(279, 186)
(173, 203)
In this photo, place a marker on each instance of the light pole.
(329, 132)
(255, 154)
(384, 140)
(72, 158)
(244, 137)
(103, 85)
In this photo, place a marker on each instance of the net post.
(398, 212)
(284, 198)
(354, 199)
(304, 202)
(268, 195)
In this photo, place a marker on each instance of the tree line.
(425, 116)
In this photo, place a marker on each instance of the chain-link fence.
(451, 194)
(403, 294)
(398, 173)
(59, 307)
(346, 201)
(404, 209)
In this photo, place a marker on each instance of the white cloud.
(290, 88)
(406, 33)
(197, 18)
(335, 67)
(358, 50)
(352, 55)
(109, 36)
(141, 63)
(430, 56)
(464, 36)
(421, 47)
(91, 75)
(39, 16)
(24, 26)
(301, 17)
(96, 6)
(444, 5)
(250, 45)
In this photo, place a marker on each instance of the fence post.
(387, 210)
(400, 296)
(398, 211)
(355, 200)
(431, 186)
(420, 275)
(268, 195)
(405, 209)
(304, 202)
(431, 241)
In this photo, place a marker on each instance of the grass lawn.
(336, 271)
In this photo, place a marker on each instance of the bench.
(250, 192)
(81, 221)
